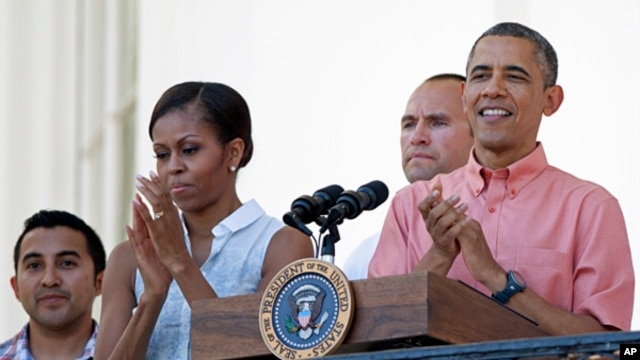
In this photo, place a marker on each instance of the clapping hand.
(155, 275)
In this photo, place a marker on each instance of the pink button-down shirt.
(566, 236)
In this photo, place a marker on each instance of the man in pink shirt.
(536, 238)
(435, 137)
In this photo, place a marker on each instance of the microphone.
(306, 209)
(350, 203)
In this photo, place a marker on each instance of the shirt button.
(492, 209)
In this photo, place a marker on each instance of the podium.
(417, 309)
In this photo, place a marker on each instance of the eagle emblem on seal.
(306, 306)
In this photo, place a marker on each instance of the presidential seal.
(306, 310)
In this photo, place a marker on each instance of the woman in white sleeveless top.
(198, 240)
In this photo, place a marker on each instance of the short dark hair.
(52, 218)
(220, 106)
(447, 76)
(545, 54)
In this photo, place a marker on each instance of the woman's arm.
(118, 299)
(286, 246)
(127, 336)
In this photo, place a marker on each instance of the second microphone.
(350, 203)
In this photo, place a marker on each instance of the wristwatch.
(515, 284)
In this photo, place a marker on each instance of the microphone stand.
(328, 244)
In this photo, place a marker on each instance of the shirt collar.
(87, 352)
(242, 217)
(91, 344)
(239, 219)
(519, 174)
(245, 215)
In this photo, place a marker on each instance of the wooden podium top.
(414, 309)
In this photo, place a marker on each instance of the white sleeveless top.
(233, 268)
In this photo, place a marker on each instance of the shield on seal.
(304, 316)
(306, 304)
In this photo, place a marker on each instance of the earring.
(232, 168)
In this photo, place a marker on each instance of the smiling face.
(435, 136)
(505, 98)
(55, 279)
(191, 162)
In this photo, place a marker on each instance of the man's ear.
(99, 283)
(14, 286)
(554, 97)
(464, 103)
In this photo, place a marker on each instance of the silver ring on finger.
(158, 215)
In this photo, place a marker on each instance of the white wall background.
(327, 82)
